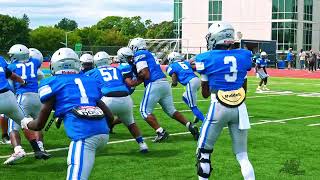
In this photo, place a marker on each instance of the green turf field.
(283, 142)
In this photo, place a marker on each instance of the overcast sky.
(86, 12)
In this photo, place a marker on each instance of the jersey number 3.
(233, 69)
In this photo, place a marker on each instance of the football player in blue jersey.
(157, 90)
(36, 54)
(125, 56)
(116, 95)
(28, 99)
(86, 63)
(223, 75)
(76, 98)
(8, 103)
(182, 72)
(261, 65)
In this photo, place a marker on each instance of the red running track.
(290, 73)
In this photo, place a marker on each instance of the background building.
(292, 23)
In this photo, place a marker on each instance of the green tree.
(13, 31)
(110, 22)
(67, 24)
(162, 30)
(128, 26)
(47, 39)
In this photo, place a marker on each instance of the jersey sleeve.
(140, 60)
(46, 89)
(12, 67)
(170, 70)
(200, 63)
(125, 69)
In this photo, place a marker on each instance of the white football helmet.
(65, 61)
(263, 55)
(36, 54)
(137, 44)
(175, 56)
(125, 55)
(19, 52)
(220, 33)
(102, 59)
(86, 58)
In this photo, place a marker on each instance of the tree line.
(110, 31)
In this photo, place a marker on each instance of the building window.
(307, 36)
(177, 16)
(307, 12)
(285, 33)
(215, 10)
(284, 9)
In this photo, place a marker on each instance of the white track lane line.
(183, 133)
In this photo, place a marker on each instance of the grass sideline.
(277, 150)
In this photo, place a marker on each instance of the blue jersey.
(110, 79)
(4, 84)
(289, 56)
(183, 70)
(226, 69)
(72, 91)
(145, 57)
(262, 62)
(127, 72)
(28, 72)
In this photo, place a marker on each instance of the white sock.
(40, 144)
(188, 124)
(17, 149)
(201, 178)
(246, 167)
(160, 130)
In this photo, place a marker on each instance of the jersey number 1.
(233, 69)
(84, 98)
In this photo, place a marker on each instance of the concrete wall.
(251, 17)
(194, 24)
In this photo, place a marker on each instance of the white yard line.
(183, 133)
(314, 125)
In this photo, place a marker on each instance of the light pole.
(179, 21)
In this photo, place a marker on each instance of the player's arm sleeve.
(46, 90)
(200, 64)
(170, 70)
(141, 65)
(140, 62)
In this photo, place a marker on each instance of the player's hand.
(25, 121)
(257, 75)
(24, 83)
(174, 85)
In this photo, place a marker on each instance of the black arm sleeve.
(8, 73)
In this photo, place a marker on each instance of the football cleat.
(5, 140)
(42, 155)
(194, 131)
(259, 88)
(15, 156)
(196, 120)
(265, 88)
(143, 147)
(161, 136)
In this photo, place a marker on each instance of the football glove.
(25, 121)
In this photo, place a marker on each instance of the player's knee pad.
(203, 163)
